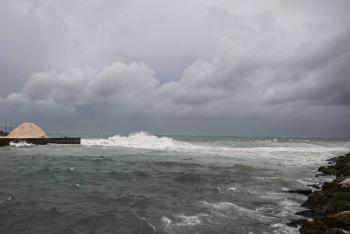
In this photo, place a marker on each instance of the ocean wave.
(182, 220)
(293, 155)
(20, 144)
(188, 178)
(227, 207)
(9, 198)
(232, 211)
(281, 228)
(140, 140)
(148, 225)
(144, 140)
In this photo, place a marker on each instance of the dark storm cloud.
(219, 67)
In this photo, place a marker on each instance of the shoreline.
(329, 207)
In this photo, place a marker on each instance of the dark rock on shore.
(316, 186)
(297, 222)
(335, 223)
(308, 213)
(327, 170)
(300, 191)
(330, 207)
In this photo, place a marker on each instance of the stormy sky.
(217, 67)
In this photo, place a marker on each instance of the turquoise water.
(170, 184)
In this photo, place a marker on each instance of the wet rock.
(335, 223)
(313, 227)
(345, 183)
(328, 201)
(327, 170)
(316, 186)
(330, 206)
(307, 213)
(337, 231)
(297, 222)
(300, 191)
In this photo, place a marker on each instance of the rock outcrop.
(27, 130)
(331, 205)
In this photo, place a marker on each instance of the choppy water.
(147, 184)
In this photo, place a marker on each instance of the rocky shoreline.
(329, 207)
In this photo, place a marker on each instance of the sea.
(143, 183)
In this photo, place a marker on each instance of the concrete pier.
(33, 134)
(42, 141)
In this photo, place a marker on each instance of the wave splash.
(140, 140)
(292, 154)
(20, 144)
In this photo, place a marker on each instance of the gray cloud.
(218, 67)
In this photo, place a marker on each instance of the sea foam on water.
(186, 184)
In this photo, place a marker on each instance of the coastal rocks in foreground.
(331, 205)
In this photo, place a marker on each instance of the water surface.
(147, 184)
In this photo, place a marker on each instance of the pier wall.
(42, 141)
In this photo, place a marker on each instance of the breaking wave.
(182, 220)
(20, 144)
(140, 140)
(144, 140)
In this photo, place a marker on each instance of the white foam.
(187, 220)
(280, 228)
(149, 224)
(231, 210)
(7, 199)
(288, 207)
(292, 154)
(20, 144)
(140, 140)
(223, 206)
(181, 220)
(144, 140)
(166, 221)
(285, 189)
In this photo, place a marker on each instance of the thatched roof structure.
(27, 130)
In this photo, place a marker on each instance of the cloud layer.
(200, 67)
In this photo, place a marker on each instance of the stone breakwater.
(330, 206)
(5, 141)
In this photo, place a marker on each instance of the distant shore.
(330, 206)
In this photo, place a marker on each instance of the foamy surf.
(293, 154)
(140, 140)
(186, 184)
(182, 220)
(20, 144)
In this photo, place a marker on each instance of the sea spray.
(20, 144)
(140, 140)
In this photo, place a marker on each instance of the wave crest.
(290, 154)
(20, 144)
(139, 140)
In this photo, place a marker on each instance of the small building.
(33, 134)
(27, 130)
(3, 133)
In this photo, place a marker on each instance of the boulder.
(345, 183)
(327, 170)
(300, 191)
(331, 224)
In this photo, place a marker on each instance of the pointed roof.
(27, 130)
